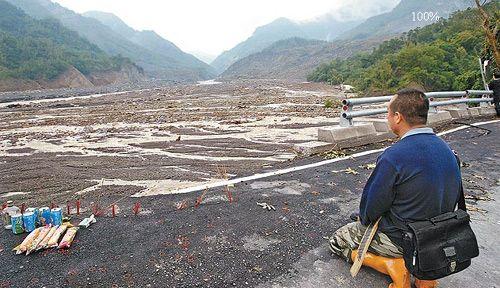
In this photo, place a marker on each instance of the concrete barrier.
(337, 137)
(380, 124)
(362, 133)
(373, 130)
(338, 133)
(313, 147)
(487, 111)
(458, 113)
(474, 111)
(318, 147)
(438, 117)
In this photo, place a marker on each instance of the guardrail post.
(464, 105)
(484, 104)
(432, 109)
(345, 122)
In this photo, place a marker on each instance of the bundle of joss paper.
(47, 237)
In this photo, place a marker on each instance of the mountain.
(324, 28)
(153, 42)
(44, 54)
(293, 58)
(158, 65)
(405, 16)
(291, 61)
(438, 57)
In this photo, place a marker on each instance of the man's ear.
(398, 117)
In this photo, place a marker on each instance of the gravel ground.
(184, 133)
(222, 244)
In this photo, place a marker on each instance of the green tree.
(440, 56)
(43, 49)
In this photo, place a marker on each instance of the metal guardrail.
(347, 114)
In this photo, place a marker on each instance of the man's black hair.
(412, 104)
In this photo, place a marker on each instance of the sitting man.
(415, 179)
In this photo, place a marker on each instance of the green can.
(17, 223)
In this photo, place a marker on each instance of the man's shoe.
(394, 267)
(426, 283)
(354, 216)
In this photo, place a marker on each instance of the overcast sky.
(212, 26)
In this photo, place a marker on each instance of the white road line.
(466, 126)
(304, 167)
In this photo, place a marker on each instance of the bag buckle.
(453, 266)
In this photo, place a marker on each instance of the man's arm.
(378, 193)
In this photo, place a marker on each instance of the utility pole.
(483, 72)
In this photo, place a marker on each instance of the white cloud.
(217, 25)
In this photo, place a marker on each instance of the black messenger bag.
(440, 246)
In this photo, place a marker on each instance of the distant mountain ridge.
(158, 65)
(324, 28)
(38, 54)
(152, 41)
(294, 58)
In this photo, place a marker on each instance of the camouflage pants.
(347, 238)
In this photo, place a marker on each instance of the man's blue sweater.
(415, 179)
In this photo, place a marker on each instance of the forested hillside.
(294, 58)
(156, 65)
(43, 49)
(441, 56)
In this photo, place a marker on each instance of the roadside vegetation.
(440, 56)
(329, 103)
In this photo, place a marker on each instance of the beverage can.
(56, 215)
(29, 221)
(17, 223)
(45, 216)
(7, 214)
(36, 215)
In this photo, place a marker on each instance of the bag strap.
(461, 200)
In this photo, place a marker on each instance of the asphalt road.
(238, 244)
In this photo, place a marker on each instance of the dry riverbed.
(154, 141)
